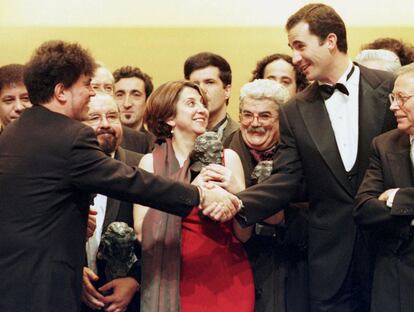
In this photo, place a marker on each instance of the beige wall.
(161, 52)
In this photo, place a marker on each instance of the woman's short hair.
(162, 106)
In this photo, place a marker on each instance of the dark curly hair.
(322, 20)
(56, 62)
(11, 74)
(162, 106)
(258, 72)
(404, 51)
(131, 72)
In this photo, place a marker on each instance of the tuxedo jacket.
(390, 167)
(308, 150)
(49, 166)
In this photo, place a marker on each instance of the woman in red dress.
(189, 264)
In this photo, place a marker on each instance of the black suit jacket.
(308, 150)
(390, 167)
(137, 141)
(49, 165)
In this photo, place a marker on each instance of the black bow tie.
(327, 90)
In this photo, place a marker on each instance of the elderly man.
(385, 202)
(277, 248)
(13, 94)
(136, 141)
(50, 164)
(213, 73)
(325, 132)
(103, 117)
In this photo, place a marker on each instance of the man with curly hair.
(50, 164)
(14, 98)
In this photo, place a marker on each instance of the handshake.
(218, 204)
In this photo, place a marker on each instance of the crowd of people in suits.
(309, 207)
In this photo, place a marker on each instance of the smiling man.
(50, 165)
(325, 133)
(13, 94)
(384, 204)
(104, 120)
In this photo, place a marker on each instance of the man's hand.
(219, 204)
(91, 223)
(123, 289)
(384, 196)
(90, 296)
(221, 176)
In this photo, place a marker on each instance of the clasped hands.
(217, 184)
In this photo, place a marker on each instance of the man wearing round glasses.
(384, 203)
(103, 117)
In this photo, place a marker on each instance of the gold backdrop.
(161, 52)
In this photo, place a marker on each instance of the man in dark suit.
(325, 140)
(213, 73)
(103, 117)
(384, 203)
(50, 163)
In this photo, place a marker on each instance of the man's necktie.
(412, 150)
(327, 90)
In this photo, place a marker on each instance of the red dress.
(215, 272)
(191, 264)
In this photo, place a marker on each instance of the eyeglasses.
(399, 98)
(111, 118)
(248, 117)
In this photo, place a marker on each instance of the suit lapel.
(112, 205)
(399, 160)
(317, 121)
(372, 110)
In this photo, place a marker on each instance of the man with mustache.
(325, 134)
(278, 261)
(132, 89)
(103, 117)
(136, 141)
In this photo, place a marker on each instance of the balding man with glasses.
(385, 202)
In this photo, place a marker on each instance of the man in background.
(13, 94)
(136, 141)
(104, 118)
(213, 73)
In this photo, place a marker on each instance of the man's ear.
(227, 91)
(331, 40)
(60, 92)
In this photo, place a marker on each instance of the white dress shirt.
(343, 113)
(92, 244)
